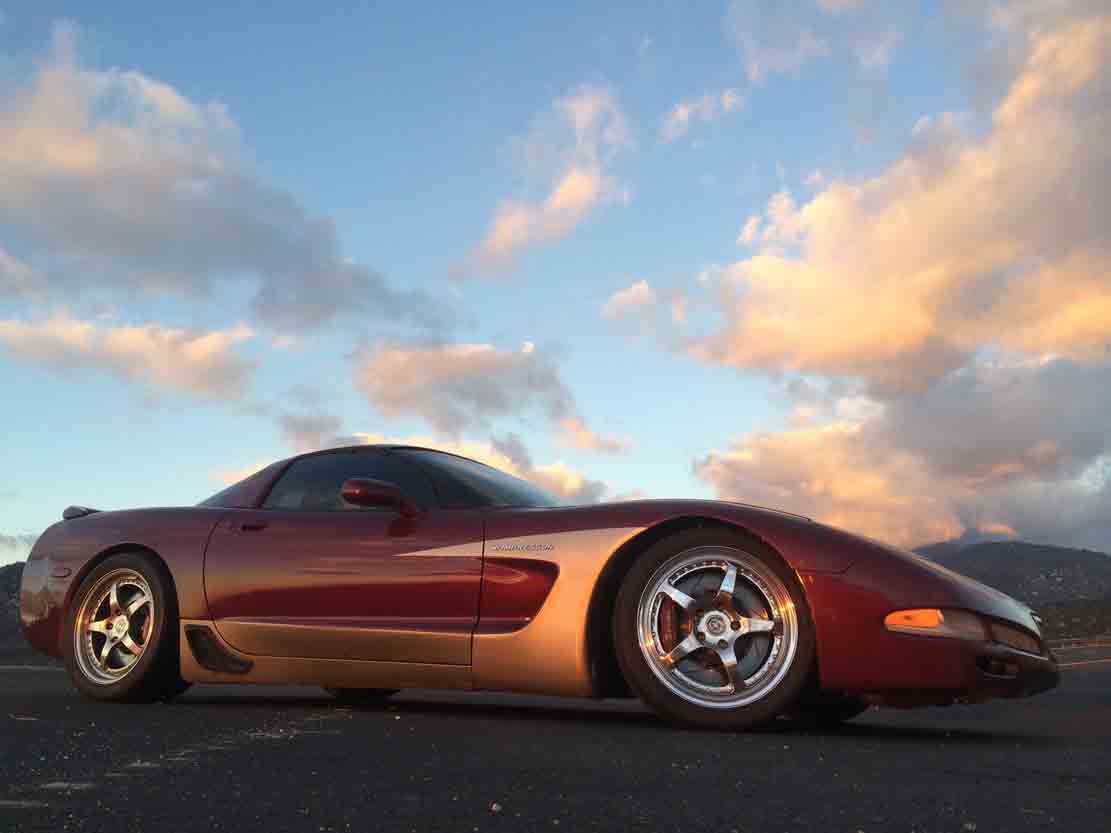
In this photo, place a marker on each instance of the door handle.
(252, 526)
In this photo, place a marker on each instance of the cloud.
(944, 328)
(575, 433)
(637, 296)
(749, 231)
(989, 447)
(967, 240)
(16, 277)
(161, 358)
(113, 185)
(709, 108)
(456, 387)
(1000, 420)
(632, 494)
(833, 473)
(18, 541)
(813, 179)
(640, 299)
(16, 547)
(307, 431)
(775, 36)
(231, 476)
(593, 133)
(771, 36)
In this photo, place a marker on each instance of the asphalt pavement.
(273, 759)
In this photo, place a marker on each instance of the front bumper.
(979, 671)
(858, 655)
(1000, 671)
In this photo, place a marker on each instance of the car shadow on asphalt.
(618, 714)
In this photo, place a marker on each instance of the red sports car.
(375, 568)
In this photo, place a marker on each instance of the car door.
(308, 575)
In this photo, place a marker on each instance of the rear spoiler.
(72, 512)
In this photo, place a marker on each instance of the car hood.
(920, 582)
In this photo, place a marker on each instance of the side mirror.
(361, 491)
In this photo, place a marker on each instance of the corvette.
(371, 569)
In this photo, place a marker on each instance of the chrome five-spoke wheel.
(711, 629)
(113, 626)
(122, 626)
(717, 627)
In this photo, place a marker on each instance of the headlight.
(929, 621)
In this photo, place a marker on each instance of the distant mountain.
(14, 649)
(1033, 573)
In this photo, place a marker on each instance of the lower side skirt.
(338, 673)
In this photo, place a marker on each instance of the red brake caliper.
(669, 626)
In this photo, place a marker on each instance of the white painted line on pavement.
(1083, 662)
(1081, 645)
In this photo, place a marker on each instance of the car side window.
(313, 483)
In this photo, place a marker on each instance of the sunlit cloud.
(151, 355)
(458, 387)
(119, 187)
(708, 108)
(575, 433)
(227, 477)
(590, 133)
(975, 451)
(946, 324)
(638, 295)
(967, 240)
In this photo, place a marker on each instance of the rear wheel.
(712, 630)
(361, 696)
(122, 634)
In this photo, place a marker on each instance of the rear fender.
(70, 550)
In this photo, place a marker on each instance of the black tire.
(156, 674)
(361, 696)
(827, 711)
(780, 697)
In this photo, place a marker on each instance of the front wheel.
(711, 629)
(122, 632)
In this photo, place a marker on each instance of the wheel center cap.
(119, 626)
(715, 624)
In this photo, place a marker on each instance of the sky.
(847, 258)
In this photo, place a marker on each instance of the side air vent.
(211, 654)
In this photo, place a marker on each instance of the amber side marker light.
(929, 621)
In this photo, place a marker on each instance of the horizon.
(744, 250)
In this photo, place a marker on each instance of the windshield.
(472, 483)
(247, 492)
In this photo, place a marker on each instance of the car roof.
(383, 447)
